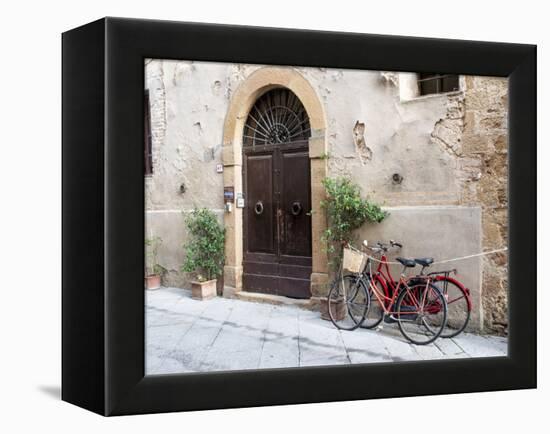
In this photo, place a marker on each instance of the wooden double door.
(277, 219)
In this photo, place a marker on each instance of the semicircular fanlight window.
(278, 116)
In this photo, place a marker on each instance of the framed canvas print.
(258, 216)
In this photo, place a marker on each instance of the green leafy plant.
(346, 211)
(205, 247)
(152, 267)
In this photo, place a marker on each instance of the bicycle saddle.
(425, 262)
(406, 262)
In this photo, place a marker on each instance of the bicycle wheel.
(421, 313)
(458, 307)
(375, 314)
(348, 302)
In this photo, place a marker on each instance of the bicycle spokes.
(458, 308)
(421, 313)
(375, 313)
(348, 302)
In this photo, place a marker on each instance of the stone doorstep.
(308, 304)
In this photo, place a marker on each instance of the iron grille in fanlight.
(278, 116)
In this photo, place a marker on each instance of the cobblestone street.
(187, 335)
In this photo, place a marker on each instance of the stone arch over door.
(245, 96)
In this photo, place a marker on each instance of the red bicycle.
(417, 306)
(457, 296)
(459, 301)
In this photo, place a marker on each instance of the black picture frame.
(103, 216)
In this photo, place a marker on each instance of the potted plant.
(346, 212)
(204, 252)
(153, 270)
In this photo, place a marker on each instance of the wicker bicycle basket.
(353, 260)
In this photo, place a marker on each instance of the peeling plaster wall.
(397, 133)
(188, 108)
(447, 150)
(189, 102)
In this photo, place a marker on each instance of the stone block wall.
(450, 152)
(485, 145)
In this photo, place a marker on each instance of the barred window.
(432, 82)
(278, 116)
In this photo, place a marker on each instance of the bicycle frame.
(386, 300)
(383, 270)
(386, 279)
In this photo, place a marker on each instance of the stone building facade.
(437, 163)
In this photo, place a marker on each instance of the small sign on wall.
(219, 168)
(229, 194)
(240, 200)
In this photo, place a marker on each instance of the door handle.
(259, 208)
(296, 208)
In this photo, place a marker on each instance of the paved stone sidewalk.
(186, 335)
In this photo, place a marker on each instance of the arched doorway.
(276, 185)
(245, 96)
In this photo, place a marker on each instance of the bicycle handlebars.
(386, 247)
(381, 247)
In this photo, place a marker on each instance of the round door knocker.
(296, 208)
(259, 208)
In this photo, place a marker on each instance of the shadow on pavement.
(51, 391)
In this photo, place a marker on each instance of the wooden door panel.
(259, 190)
(277, 242)
(303, 261)
(262, 268)
(295, 271)
(295, 288)
(295, 204)
(261, 283)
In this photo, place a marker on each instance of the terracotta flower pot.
(152, 281)
(203, 290)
